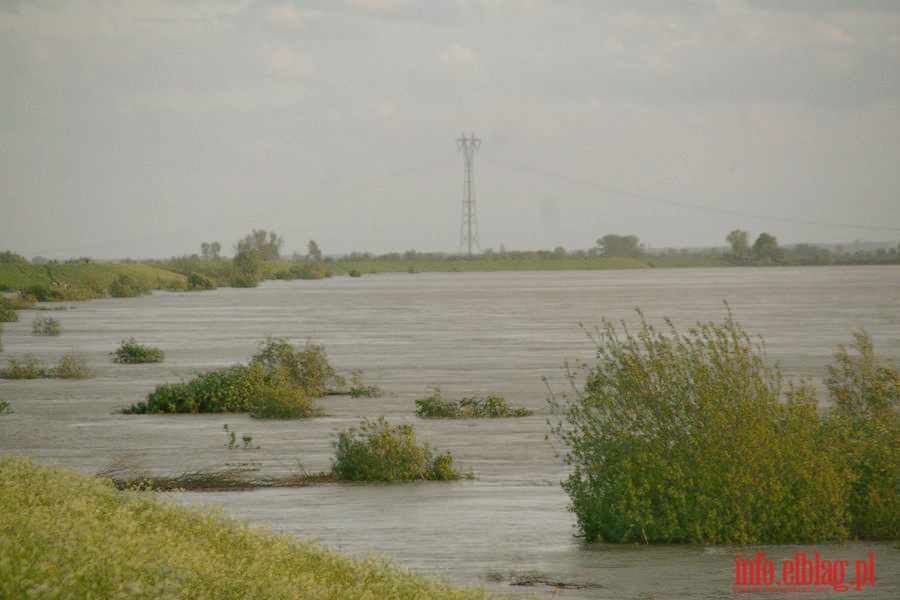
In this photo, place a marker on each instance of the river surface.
(469, 333)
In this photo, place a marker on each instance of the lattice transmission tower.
(468, 234)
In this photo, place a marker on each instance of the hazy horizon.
(141, 129)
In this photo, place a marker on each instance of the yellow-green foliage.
(64, 535)
(692, 438)
(308, 368)
(379, 451)
(865, 422)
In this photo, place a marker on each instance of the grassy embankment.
(67, 535)
(92, 277)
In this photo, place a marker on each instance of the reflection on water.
(469, 333)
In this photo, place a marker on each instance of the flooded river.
(469, 333)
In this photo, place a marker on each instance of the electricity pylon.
(468, 234)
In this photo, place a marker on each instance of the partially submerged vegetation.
(491, 406)
(693, 438)
(29, 366)
(278, 382)
(238, 388)
(8, 312)
(130, 352)
(108, 543)
(360, 389)
(125, 475)
(378, 451)
(73, 366)
(45, 326)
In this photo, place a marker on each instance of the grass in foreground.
(68, 535)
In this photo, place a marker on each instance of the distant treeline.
(258, 256)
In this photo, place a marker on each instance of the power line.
(676, 203)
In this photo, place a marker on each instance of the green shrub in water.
(45, 326)
(7, 313)
(865, 424)
(308, 368)
(685, 438)
(378, 451)
(359, 389)
(27, 367)
(130, 352)
(278, 383)
(492, 406)
(72, 366)
(232, 389)
(240, 388)
(283, 400)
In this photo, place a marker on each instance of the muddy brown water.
(469, 333)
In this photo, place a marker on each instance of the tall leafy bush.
(694, 438)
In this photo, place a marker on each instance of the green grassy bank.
(65, 535)
(95, 277)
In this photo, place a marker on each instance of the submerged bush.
(359, 389)
(283, 400)
(378, 451)
(277, 383)
(72, 366)
(685, 438)
(7, 313)
(130, 352)
(232, 389)
(491, 406)
(308, 368)
(239, 388)
(865, 423)
(45, 326)
(27, 367)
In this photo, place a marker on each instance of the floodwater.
(469, 333)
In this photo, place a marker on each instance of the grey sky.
(143, 128)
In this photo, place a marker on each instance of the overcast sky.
(140, 129)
